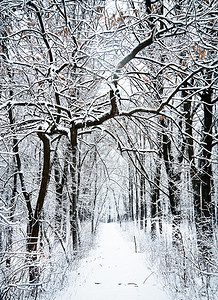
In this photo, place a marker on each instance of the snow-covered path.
(113, 271)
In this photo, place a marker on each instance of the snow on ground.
(113, 271)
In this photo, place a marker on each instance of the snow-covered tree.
(76, 76)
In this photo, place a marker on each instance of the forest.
(108, 114)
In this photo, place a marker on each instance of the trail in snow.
(113, 271)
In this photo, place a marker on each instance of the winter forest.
(108, 115)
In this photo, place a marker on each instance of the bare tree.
(141, 71)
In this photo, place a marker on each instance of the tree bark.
(95, 194)
(34, 223)
(60, 182)
(131, 200)
(173, 180)
(73, 200)
(143, 208)
(204, 207)
(155, 200)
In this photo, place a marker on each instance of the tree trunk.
(204, 207)
(12, 205)
(174, 194)
(131, 200)
(34, 223)
(73, 200)
(201, 178)
(14, 191)
(95, 194)
(155, 200)
(60, 182)
(137, 201)
(143, 211)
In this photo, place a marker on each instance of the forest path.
(113, 271)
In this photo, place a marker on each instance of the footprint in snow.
(129, 283)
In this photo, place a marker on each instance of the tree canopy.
(107, 113)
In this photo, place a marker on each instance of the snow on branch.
(139, 150)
